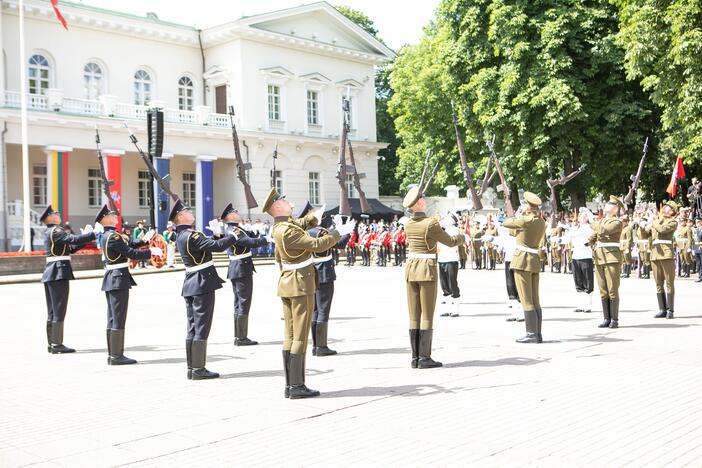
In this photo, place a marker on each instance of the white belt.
(58, 259)
(199, 267)
(420, 255)
(524, 248)
(117, 266)
(296, 266)
(240, 257)
(642, 241)
(607, 244)
(321, 259)
(658, 242)
(684, 241)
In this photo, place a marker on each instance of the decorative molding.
(59, 148)
(205, 157)
(113, 152)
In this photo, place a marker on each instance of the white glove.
(87, 229)
(269, 239)
(346, 228)
(215, 227)
(642, 224)
(338, 220)
(452, 230)
(156, 251)
(149, 234)
(98, 229)
(319, 212)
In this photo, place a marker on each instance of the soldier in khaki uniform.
(476, 243)
(298, 282)
(625, 244)
(663, 257)
(530, 229)
(683, 241)
(421, 275)
(607, 256)
(643, 242)
(555, 244)
(489, 241)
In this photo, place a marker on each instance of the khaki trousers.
(421, 301)
(297, 312)
(608, 278)
(664, 275)
(528, 289)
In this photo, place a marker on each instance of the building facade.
(285, 73)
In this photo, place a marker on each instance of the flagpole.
(26, 236)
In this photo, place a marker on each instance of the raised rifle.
(274, 175)
(365, 207)
(106, 184)
(424, 181)
(553, 183)
(629, 198)
(341, 171)
(509, 209)
(467, 172)
(241, 167)
(161, 181)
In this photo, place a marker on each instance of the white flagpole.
(25, 147)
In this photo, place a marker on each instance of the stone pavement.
(586, 397)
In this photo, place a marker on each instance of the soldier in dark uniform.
(117, 249)
(240, 272)
(201, 282)
(57, 273)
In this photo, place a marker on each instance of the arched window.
(92, 80)
(185, 93)
(39, 74)
(142, 87)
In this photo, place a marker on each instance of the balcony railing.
(34, 101)
(218, 120)
(180, 116)
(314, 129)
(131, 111)
(81, 106)
(276, 125)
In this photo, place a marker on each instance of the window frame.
(143, 185)
(43, 185)
(314, 187)
(272, 116)
(90, 76)
(189, 187)
(142, 97)
(47, 80)
(94, 184)
(188, 100)
(312, 112)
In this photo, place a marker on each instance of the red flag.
(678, 172)
(54, 3)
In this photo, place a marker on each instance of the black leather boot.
(286, 369)
(607, 312)
(298, 389)
(314, 338)
(321, 348)
(425, 361)
(614, 312)
(670, 304)
(189, 357)
(662, 309)
(56, 340)
(539, 319)
(198, 358)
(414, 343)
(531, 321)
(116, 356)
(241, 331)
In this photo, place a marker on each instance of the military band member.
(57, 273)
(583, 269)
(626, 244)
(662, 257)
(530, 229)
(199, 286)
(240, 272)
(117, 250)
(608, 260)
(399, 241)
(351, 249)
(643, 242)
(298, 282)
(423, 234)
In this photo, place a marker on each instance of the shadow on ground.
(514, 361)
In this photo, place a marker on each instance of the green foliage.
(360, 19)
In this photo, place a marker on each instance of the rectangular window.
(94, 188)
(351, 124)
(312, 107)
(189, 189)
(314, 194)
(144, 178)
(349, 186)
(185, 98)
(273, 102)
(39, 185)
(278, 181)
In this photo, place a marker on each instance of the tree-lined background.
(556, 83)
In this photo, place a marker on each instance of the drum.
(158, 261)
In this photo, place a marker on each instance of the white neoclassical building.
(285, 73)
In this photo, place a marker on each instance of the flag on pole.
(678, 173)
(54, 3)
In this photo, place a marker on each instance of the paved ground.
(586, 397)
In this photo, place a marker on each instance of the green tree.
(360, 18)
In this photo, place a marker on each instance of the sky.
(398, 22)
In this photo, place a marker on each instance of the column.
(57, 178)
(204, 193)
(163, 202)
(113, 171)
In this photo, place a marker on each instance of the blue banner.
(205, 195)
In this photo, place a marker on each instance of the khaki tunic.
(555, 244)
(491, 251)
(476, 243)
(626, 243)
(643, 241)
(662, 254)
(530, 230)
(683, 241)
(607, 258)
(421, 274)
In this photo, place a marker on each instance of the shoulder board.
(57, 229)
(116, 236)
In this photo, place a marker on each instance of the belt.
(296, 266)
(684, 241)
(658, 242)
(321, 259)
(420, 255)
(58, 259)
(117, 266)
(240, 257)
(199, 267)
(642, 241)
(524, 248)
(607, 244)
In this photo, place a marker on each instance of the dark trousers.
(398, 254)
(351, 255)
(509, 281)
(448, 276)
(243, 290)
(56, 293)
(698, 258)
(323, 301)
(117, 305)
(200, 309)
(584, 275)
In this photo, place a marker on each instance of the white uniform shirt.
(507, 242)
(448, 254)
(578, 238)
